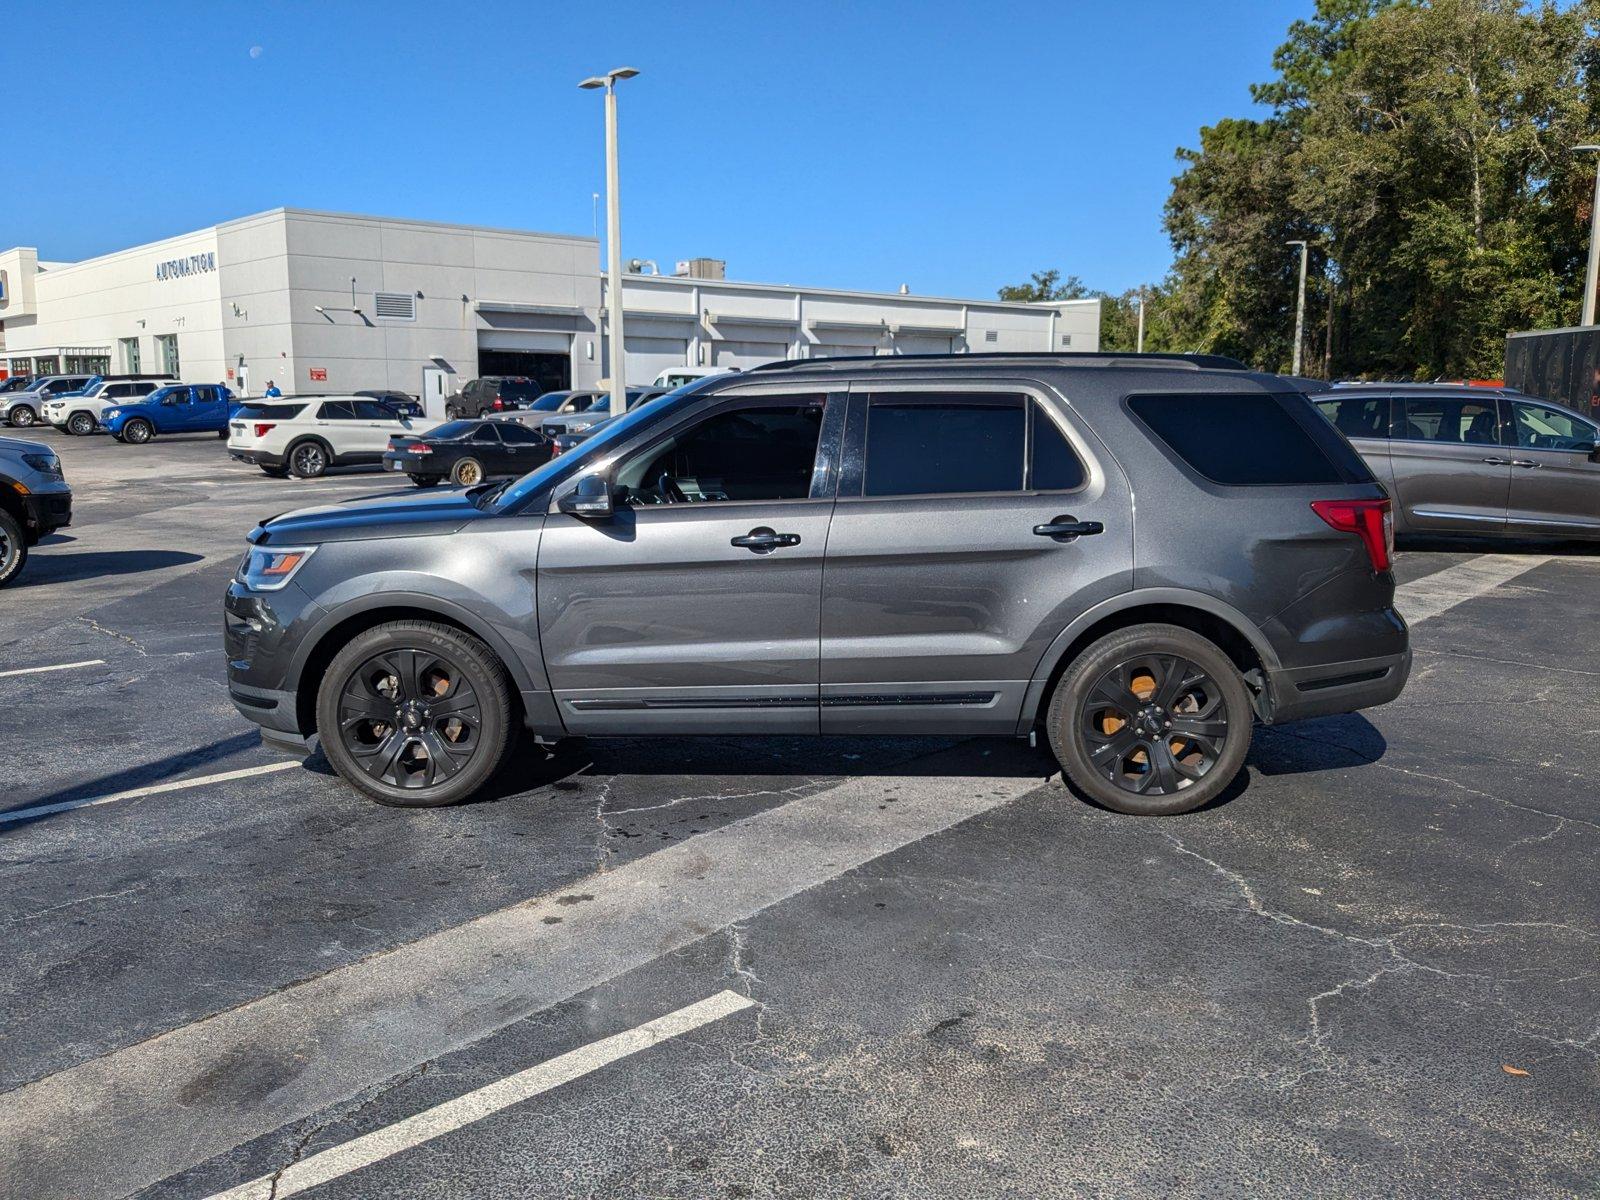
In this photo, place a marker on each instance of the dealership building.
(330, 302)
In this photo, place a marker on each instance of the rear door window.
(920, 445)
(336, 410)
(372, 410)
(1249, 439)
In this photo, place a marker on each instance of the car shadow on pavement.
(1323, 744)
(97, 564)
(1459, 544)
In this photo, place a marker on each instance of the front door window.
(763, 452)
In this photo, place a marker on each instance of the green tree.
(1046, 285)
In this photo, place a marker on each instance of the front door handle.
(1065, 528)
(1496, 462)
(1523, 462)
(762, 540)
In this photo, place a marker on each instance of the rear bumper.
(1321, 691)
(259, 458)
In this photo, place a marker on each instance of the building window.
(88, 364)
(130, 354)
(47, 366)
(394, 306)
(167, 352)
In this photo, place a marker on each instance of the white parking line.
(464, 1110)
(1432, 595)
(175, 785)
(88, 662)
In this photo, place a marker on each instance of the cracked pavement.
(1313, 989)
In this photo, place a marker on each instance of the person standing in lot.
(272, 390)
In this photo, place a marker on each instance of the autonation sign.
(195, 264)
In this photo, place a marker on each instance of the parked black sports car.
(467, 452)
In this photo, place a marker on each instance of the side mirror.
(590, 497)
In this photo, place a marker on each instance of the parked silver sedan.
(1473, 460)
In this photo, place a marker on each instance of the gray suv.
(1139, 556)
(1471, 460)
(34, 500)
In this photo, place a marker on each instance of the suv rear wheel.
(1151, 720)
(308, 459)
(415, 714)
(13, 548)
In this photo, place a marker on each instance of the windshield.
(517, 389)
(96, 389)
(595, 449)
(548, 402)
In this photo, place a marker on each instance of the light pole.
(1299, 307)
(1139, 345)
(1594, 239)
(619, 382)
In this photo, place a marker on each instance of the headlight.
(45, 464)
(109, 413)
(269, 568)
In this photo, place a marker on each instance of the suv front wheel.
(415, 714)
(1151, 720)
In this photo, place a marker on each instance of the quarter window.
(1054, 467)
(1540, 428)
(1249, 439)
(762, 452)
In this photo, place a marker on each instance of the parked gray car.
(929, 545)
(24, 408)
(34, 501)
(1472, 460)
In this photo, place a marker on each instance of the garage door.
(840, 350)
(921, 343)
(648, 356)
(745, 355)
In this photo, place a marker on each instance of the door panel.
(1450, 471)
(1555, 485)
(937, 609)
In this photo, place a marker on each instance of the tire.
(223, 434)
(81, 424)
(1113, 707)
(308, 459)
(13, 548)
(452, 413)
(392, 672)
(138, 431)
(276, 472)
(468, 472)
(425, 481)
(22, 416)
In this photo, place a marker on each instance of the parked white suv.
(79, 412)
(305, 435)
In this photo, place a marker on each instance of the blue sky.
(951, 147)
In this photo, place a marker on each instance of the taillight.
(263, 429)
(1370, 520)
(418, 448)
(498, 404)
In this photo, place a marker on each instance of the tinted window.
(1248, 440)
(945, 444)
(486, 432)
(372, 410)
(1453, 421)
(270, 412)
(516, 434)
(1541, 428)
(1357, 416)
(337, 410)
(451, 430)
(518, 389)
(764, 453)
(1055, 466)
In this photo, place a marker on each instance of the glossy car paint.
(909, 614)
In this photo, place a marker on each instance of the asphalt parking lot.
(702, 967)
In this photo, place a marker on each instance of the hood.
(381, 517)
(21, 446)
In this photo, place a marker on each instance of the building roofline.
(852, 293)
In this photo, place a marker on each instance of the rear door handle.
(1523, 462)
(762, 540)
(1497, 462)
(1065, 528)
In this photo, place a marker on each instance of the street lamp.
(1299, 307)
(619, 382)
(1594, 239)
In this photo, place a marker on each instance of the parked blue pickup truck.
(180, 408)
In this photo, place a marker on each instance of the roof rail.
(1065, 357)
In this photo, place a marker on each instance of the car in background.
(576, 422)
(562, 443)
(491, 393)
(403, 403)
(1466, 459)
(15, 383)
(34, 500)
(22, 409)
(467, 452)
(176, 408)
(79, 412)
(303, 436)
(675, 377)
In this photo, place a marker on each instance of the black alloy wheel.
(415, 714)
(1151, 720)
(308, 460)
(13, 548)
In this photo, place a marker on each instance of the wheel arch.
(301, 439)
(337, 628)
(1216, 620)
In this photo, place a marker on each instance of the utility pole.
(1299, 307)
(1590, 273)
(1140, 345)
(618, 358)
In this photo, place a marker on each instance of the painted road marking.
(168, 1103)
(175, 785)
(1432, 595)
(88, 662)
(464, 1110)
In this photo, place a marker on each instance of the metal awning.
(757, 322)
(856, 326)
(539, 310)
(652, 314)
(930, 330)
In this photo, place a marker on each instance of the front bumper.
(47, 511)
(260, 631)
(1301, 693)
